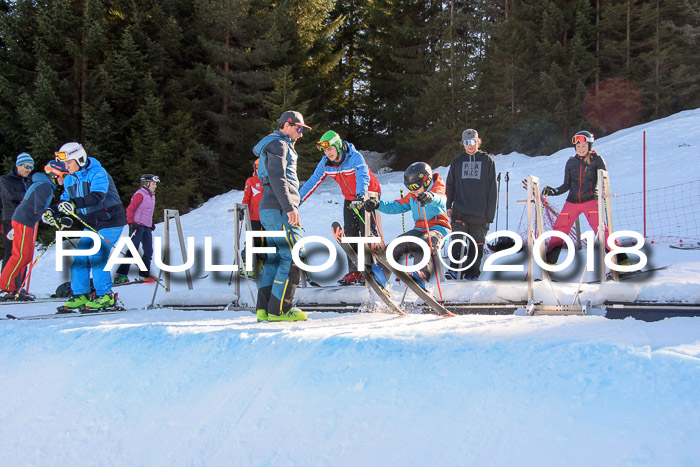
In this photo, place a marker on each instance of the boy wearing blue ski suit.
(279, 211)
(426, 202)
(90, 195)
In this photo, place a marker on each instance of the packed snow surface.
(173, 387)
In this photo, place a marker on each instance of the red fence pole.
(644, 179)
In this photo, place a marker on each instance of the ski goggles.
(581, 139)
(154, 179)
(323, 145)
(470, 142)
(60, 156)
(414, 186)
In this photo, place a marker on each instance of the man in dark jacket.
(13, 187)
(471, 203)
(26, 216)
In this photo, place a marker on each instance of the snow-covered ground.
(169, 387)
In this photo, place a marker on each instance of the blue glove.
(66, 207)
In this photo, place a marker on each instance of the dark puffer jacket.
(12, 190)
(581, 179)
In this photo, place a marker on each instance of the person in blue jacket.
(24, 220)
(89, 194)
(279, 211)
(426, 201)
(347, 167)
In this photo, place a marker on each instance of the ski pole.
(109, 243)
(507, 178)
(358, 214)
(28, 277)
(93, 229)
(498, 196)
(240, 228)
(430, 243)
(403, 222)
(31, 266)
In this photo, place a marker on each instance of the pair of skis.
(427, 297)
(73, 314)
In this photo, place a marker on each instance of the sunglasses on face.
(27, 166)
(470, 142)
(300, 129)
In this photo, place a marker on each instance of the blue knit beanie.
(24, 158)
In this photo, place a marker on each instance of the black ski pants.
(478, 233)
(354, 227)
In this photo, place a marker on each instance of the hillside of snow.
(172, 387)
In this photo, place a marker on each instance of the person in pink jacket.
(139, 216)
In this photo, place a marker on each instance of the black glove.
(133, 226)
(549, 191)
(65, 223)
(371, 205)
(241, 215)
(153, 227)
(425, 198)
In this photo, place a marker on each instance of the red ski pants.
(22, 254)
(568, 216)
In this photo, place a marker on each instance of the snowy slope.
(166, 387)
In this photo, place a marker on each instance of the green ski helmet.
(330, 138)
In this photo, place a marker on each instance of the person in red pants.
(27, 214)
(580, 180)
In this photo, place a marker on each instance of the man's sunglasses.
(470, 142)
(27, 166)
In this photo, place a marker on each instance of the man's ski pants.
(280, 276)
(355, 227)
(566, 220)
(80, 269)
(22, 254)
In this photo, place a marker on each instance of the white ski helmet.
(72, 151)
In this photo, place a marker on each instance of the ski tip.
(11, 317)
(449, 314)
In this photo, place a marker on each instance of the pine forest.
(185, 88)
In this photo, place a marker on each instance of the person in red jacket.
(347, 167)
(252, 194)
(139, 216)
